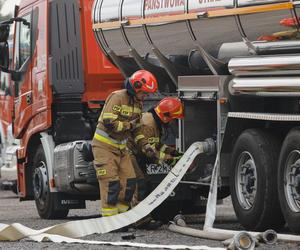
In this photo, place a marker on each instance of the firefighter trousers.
(141, 183)
(116, 176)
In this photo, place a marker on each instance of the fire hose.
(66, 232)
(239, 240)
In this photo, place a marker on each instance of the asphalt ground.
(12, 210)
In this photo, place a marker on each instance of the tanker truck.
(235, 65)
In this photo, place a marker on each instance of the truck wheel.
(166, 211)
(289, 179)
(253, 181)
(44, 200)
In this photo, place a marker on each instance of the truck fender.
(48, 146)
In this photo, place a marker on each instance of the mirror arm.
(16, 19)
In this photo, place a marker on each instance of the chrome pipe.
(283, 47)
(265, 65)
(259, 85)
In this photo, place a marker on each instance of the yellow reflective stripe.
(138, 137)
(109, 116)
(163, 148)
(116, 108)
(101, 172)
(109, 211)
(161, 155)
(108, 141)
(122, 208)
(120, 126)
(152, 140)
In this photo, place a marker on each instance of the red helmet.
(169, 108)
(143, 81)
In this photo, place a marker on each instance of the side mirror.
(16, 76)
(4, 32)
(4, 51)
(4, 56)
(8, 92)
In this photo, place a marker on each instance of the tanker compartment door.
(269, 31)
(22, 61)
(199, 95)
(111, 40)
(139, 47)
(65, 48)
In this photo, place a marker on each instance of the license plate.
(153, 169)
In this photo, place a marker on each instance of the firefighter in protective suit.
(153, 126)
(120, 116)
(147, 141)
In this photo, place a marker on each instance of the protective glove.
(172, 162)
(149, 151)
(176, 153)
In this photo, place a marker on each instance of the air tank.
(186, 37)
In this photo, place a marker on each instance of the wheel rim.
(292, 180)
(40, 183)
(246, 180)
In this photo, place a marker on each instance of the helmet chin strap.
(129, 87)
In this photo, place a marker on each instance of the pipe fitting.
(209, 146)
(268, 237)
(242, 241)
(179, 220)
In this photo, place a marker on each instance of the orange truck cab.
(60, 80)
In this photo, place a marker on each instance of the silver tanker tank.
(192, 37)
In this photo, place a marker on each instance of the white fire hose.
(247, 239)
(66, 232)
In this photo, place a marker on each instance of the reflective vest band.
(109, 141)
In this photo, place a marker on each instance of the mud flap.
(63, 202)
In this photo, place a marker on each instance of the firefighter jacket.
(120, 115)
(149, 134)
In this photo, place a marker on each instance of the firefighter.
(120, 116)
(147, 141)
(153, 126)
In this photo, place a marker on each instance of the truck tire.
(167, 211)
(44, 200)
(253, 181)
(289, 179)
